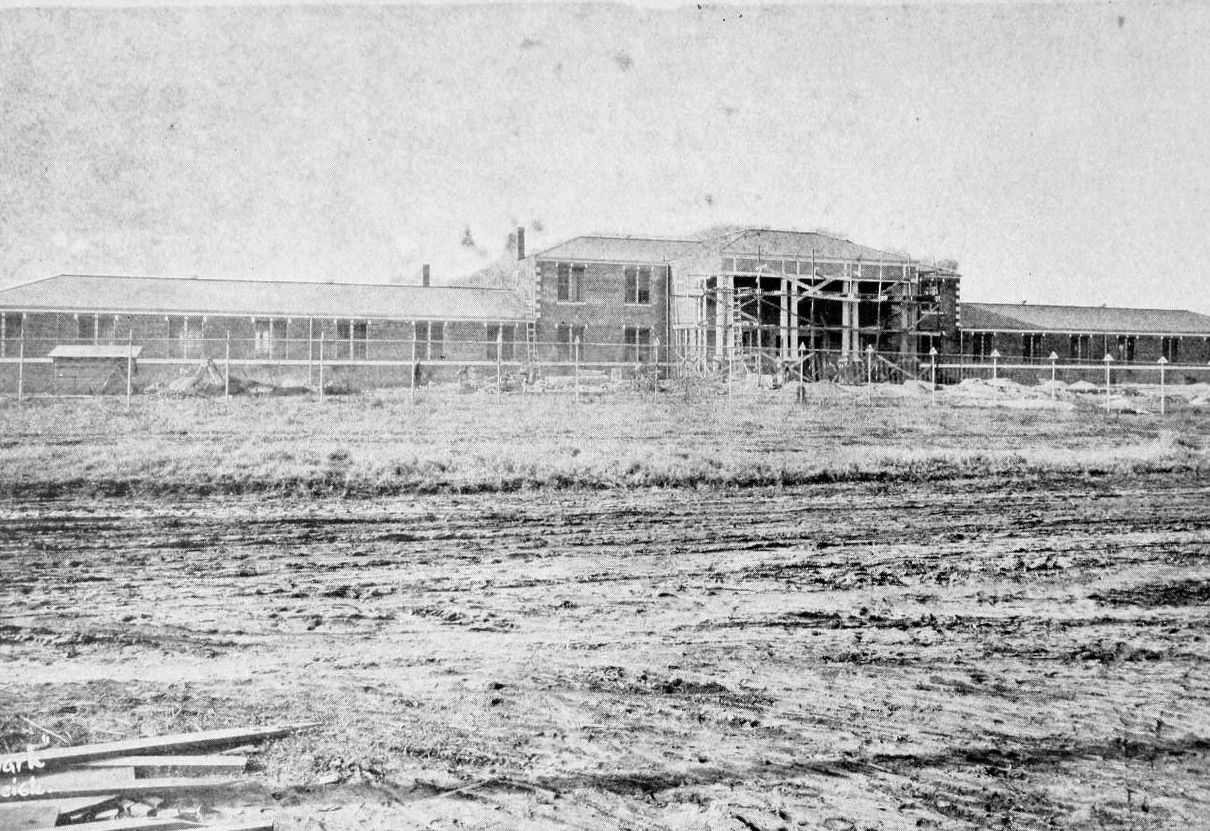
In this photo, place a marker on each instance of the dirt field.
(991, 619)
(836, 656)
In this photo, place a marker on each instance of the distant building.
(765, 299)
(1084, 334)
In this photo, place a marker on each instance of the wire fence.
(229, 366)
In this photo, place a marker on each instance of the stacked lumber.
(142, 783)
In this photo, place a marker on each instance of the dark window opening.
(983, 344)
(185, 337)
(638, 285)
(430, 340)
(565, 339)
(1031, 347)
(638, 344)
(1170, 348)
(501, 342)
(1080, 347)
(569, 279)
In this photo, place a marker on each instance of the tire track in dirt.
(976, 651)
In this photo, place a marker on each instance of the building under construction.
(783, 298)
(734, 301)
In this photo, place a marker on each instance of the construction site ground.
(1020, 643)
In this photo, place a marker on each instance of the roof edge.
(262, 281)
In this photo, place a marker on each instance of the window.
(352, 339)
(638, 344)
(107, 329)
(638, 285)
(1031, 347)
(982, 344)
(270, 337)
(501, 341)
(430, 340)
(185, 337)
(1126, 348)
(10, 334)
(569, 278)
(1170, 348)
(1080, 348)
(565, 338)
(86, 328)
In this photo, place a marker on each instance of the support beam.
(784, 310)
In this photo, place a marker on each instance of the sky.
(1059, 153)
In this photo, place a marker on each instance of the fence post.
(995, 356)
(412, 368)
(321, 367)
(655, 367)
(730, 348)
(21, 367)
(1163, 362)
(1054, 359)
(227, 372)
(576, 357)
(802, 373)
(129, 367)
(1108, 359)
(933, 389)
(499, 360)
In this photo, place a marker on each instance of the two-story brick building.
(758, 298)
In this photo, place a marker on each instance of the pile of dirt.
(203, 380)
(1120, 404)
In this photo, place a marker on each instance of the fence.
(31, 366)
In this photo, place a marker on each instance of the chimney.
(424, 275)
(520, 243)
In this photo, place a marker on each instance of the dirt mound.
(203, 380)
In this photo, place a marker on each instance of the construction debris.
(133, 784)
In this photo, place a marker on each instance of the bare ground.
(1017, 652)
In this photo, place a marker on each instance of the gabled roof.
(616, 249)
(802, 245)
(277, 298)
(722, 241)
(1015, 317)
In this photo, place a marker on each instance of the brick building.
(751, 299)
(1028, 333)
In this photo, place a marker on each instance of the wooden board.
(83, 787)
(156, 744)
(13, 815)
(68, 783)
(67, 807)
(130, 824)
(174, 765)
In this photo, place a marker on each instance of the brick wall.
(602, 309)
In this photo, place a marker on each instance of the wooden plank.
(129, 824)
(178, 765)
(134, 786)
(82, 803)
(48, 811)
(69, 783)
(153, 744)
